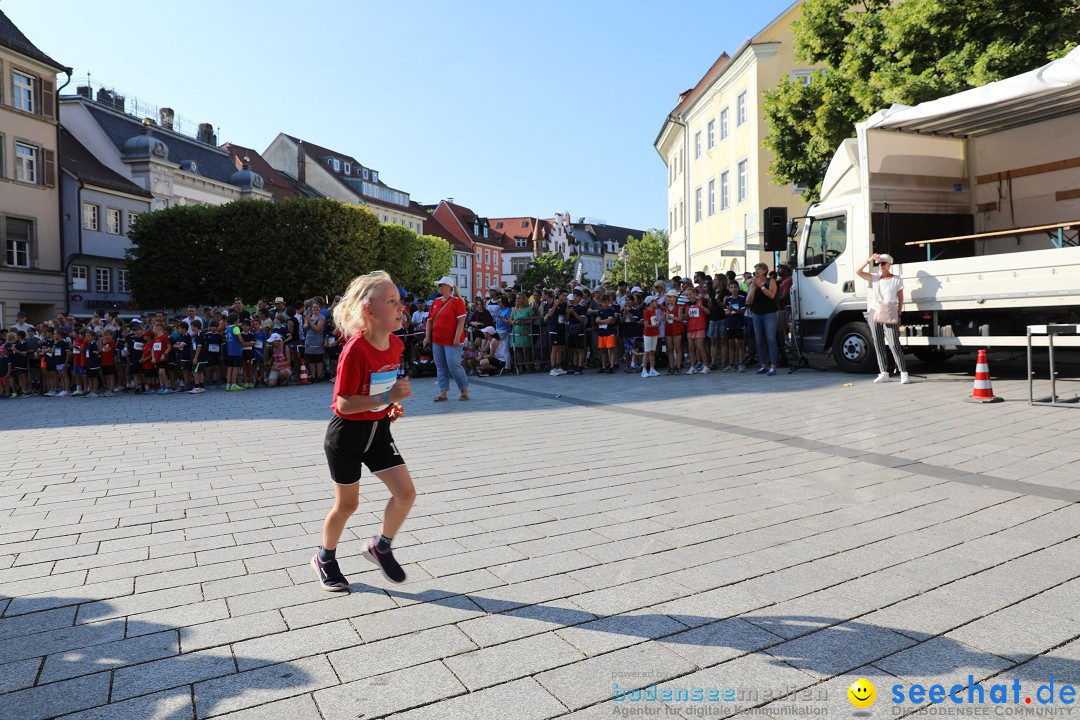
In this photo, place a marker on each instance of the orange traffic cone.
(983, 393)
(303, 373)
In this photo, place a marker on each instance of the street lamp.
(624, 255)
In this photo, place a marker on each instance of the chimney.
(104, 97)
(301, 165)
(206, 134)
(83, 91)
(166, 115)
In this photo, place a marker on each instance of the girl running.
(367, 398)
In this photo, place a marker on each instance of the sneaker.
(386, 562)
(329, 574)
(653, 373)
(198, 390)
(882, 377)
(51, 393)
(904, 379)
(77, 393)
(772, 371)
(645, 374)
(107, 394)
(742, 368)
(691, 371)
(704, 370)
(92, 395)
(762, 371)
(727, 368)
(62, 393)
(554, 372)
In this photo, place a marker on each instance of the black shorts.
(496, 363)
(352, 443)
(313, 358)
(734, 333)
(199, 367)
(234, 361)
(214, 359)
(557, 339)
(108, 371)
(576, 342)
(149, 372)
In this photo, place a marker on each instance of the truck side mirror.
(793, 252)
(793, 229)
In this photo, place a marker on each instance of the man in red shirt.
(445, 332)
(159, 354)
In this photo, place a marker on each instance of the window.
(113, 221)
(681, 215)
(348, 169)
(102, 277)
(336, 163)
(78, 277)
(487, 257)
(697, 145)
(825, 240)
(740, 109)
(723, 123)
(23, 96)
(801, 77)
(132, 217)
(160, 203)
(725, 200)
(479, 279)
(123, 281)
(697, 205)
(518, 266)
(671, 221)
(90, 216)
(26, 163)
(17, 251)
(712, 197)
(374, 176)
(521, 242)
(464, 280)
(741, 171)
(365, 173)
(711, 134)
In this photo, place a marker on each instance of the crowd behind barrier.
(680, 326)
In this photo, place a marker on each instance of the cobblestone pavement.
(573, 538)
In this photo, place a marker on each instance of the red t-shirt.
(650, 329)
(445, 322)
(678, 327)
(148, 345)
(77, 354)
(698, 323)
(159, 348)
(108, 352)
(363, 369)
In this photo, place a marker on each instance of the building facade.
(476, 233)
(461, 263)
(718, 181)
(343, 178)
(522, 238)
(99, 207)
(31, 266)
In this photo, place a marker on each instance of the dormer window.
(365, 173)
(375, 176)
(485, 230)
(476, 228)
(336, 164)
(348, 169)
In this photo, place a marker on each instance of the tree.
(414, 261)
(877, 53)
(646, 256)
(208, 254)
(551, 270)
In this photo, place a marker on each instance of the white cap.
(274, 337)
(885, 258)
(649, 299)
(493, 287)
(636, 289)
(488, 330)
(445, 280)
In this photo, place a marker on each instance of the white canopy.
(1047, 92)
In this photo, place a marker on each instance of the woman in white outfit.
(884, 305)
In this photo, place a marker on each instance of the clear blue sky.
(511, 108)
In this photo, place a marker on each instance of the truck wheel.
(853, 349)
(932, 356)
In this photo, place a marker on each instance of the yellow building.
(718, 169)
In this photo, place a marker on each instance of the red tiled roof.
(278, 184)
(531, 228)
(433, 227)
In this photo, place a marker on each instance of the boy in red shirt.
(147, 361)
(651, 319)
(159, 354)
(78, 362)
(108, 362)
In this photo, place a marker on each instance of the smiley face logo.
(862, 693)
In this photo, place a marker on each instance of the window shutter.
(49, 175)
(48, 99)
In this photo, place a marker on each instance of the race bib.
(258, 345)
(380, 383)
(157, 347)
(214, 348)
(78, 351)
(58, 352)
(562, 319)
(138, 346)
(694, 312)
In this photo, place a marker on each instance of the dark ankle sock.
(327, 555)
(382, 543)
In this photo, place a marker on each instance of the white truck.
(976, 196)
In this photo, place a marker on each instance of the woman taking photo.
(444, 333)
(761, 299)
(521, 339)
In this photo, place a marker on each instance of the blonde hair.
(349, 313)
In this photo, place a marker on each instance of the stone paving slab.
(152, 566)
